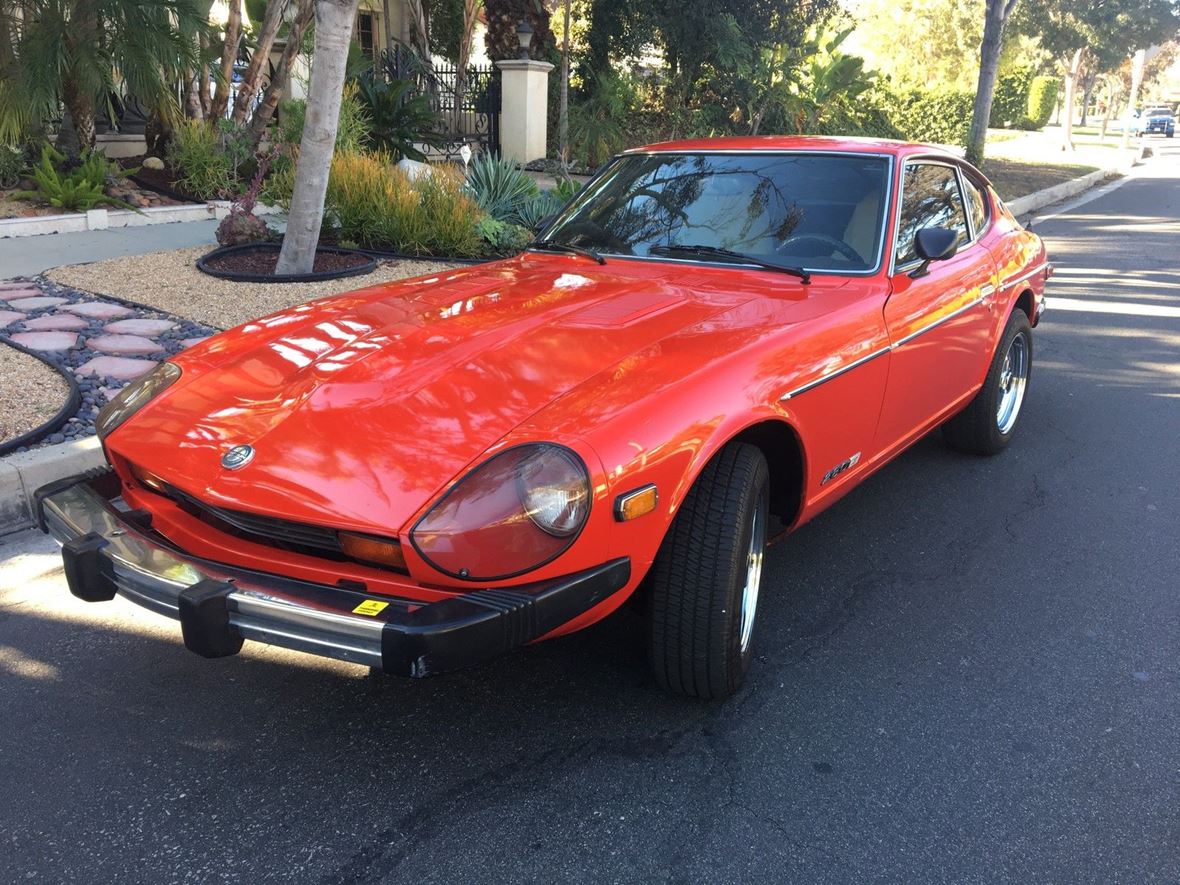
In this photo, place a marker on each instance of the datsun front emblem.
(237, 457)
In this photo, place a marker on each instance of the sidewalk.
(28, 256)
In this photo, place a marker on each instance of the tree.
(505, 16)
(272, 20)
(995, 17)
(304, 15)
(891, 34)
(333, 32)
(229, 54)
(79, 52)
(1098, 34)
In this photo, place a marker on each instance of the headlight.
(512, 514)
(134, 397)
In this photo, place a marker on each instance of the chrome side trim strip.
(835, 373)
(1020, 279)
(938, 322)
(987, 290)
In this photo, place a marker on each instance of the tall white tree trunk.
(333, 30)
(229, 55)
(1138, 63)
(1071, 88)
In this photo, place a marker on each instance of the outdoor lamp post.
(524, 36)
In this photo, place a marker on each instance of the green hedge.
(1042, 97)
(941, 117)
(1010, 102)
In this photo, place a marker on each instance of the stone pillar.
(524, 108)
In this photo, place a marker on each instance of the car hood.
(360, 408)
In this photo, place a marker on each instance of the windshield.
(818, 211)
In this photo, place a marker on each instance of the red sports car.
(421, 475)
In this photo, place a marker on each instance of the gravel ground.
(95, 390)
(171, 282)
(30, 392)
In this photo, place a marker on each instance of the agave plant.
(501, 190)
(534, 213)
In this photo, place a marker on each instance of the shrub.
(1042, 98)
(1010, 100)
(935, 116)
(12, 165)
(374, 203)
(597, 124)
(352, 133)
(399, 120)
(499, 188)
(502, 238)
(450, 212)
(76, 190)
(196, 157)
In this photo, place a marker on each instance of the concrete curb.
(106, 219)
(1050, 195)
(23, 473)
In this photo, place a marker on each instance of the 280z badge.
(237, 457)
(840, 468)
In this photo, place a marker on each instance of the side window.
(929, 198)
(976, 205)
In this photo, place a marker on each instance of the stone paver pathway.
(104, 343)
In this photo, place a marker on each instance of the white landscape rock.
(153, 163)
(413, 168)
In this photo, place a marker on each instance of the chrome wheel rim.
(1013, 381)
(753, 575)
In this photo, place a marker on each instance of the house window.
(366, 33)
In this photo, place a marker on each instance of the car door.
(939, 321)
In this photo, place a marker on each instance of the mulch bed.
(265, 262)
(160, 181)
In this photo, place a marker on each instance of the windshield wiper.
(565, 247)
(719, 252)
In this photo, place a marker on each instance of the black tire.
(976, 430)
(699, 574)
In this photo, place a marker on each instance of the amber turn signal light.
(633, 504)
(149, 480)
(378, 551)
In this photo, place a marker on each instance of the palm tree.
(77, 53)
(333, 31)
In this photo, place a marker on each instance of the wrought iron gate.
(468, 112)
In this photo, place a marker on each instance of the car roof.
(835, 144)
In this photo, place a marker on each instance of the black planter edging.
(72, 404)
(313, 277)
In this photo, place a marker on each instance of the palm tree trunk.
(271, 21)
(989, 64)
(563, 112)
(81, 108)
(275, 89)
(229, 54)
(470, 7)
(333, 30)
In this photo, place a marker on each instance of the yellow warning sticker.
(370, 607)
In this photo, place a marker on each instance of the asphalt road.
(968, 671)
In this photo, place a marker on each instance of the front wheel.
(707, 575)
(986, 426)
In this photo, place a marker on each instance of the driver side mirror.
(933, 244)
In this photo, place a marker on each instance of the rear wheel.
(986, 426)
(706, 578)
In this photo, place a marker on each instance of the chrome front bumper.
(108, 550)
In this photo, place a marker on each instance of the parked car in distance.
(715, 337)
(1158, 120)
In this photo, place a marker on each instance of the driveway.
(969, 671)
